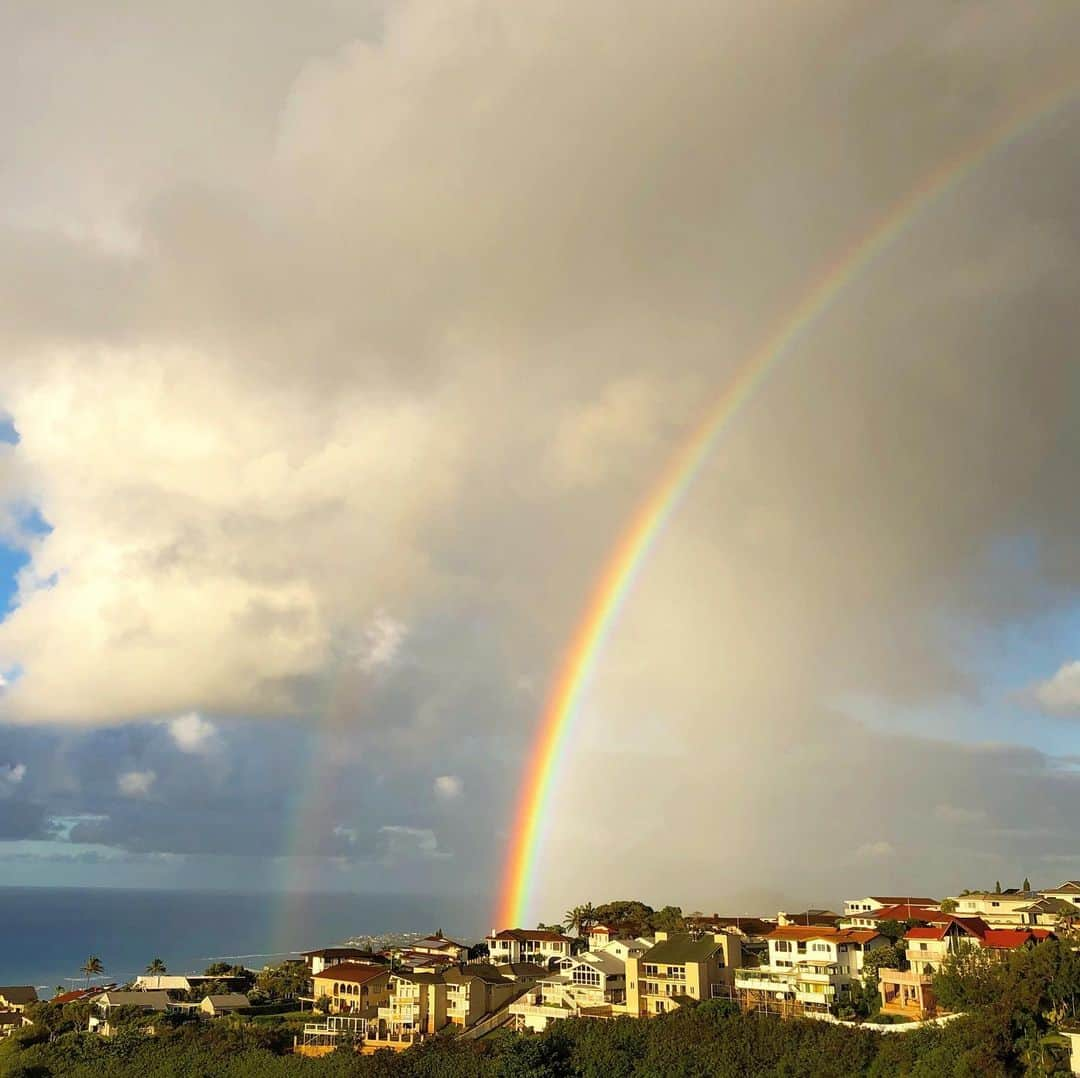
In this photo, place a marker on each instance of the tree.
(1027, 884)
(92, 967)
(157, 967)
(997, 887)
(669, 919)
(949, 905)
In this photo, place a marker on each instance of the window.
(781, 945)
(819, 947)
(650, 971)
(586, 975)
(677, 973)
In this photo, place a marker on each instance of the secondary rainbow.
(646, 525)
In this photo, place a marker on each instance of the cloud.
(1060, 694)
(11, 775)
(282, 394)
(448, 787)
(406, 843)
(958, 814)
(383, 639)
(135, 783)
(192, 733)
(876, 850)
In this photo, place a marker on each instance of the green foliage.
(950, 905)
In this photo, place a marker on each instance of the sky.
(341, 340)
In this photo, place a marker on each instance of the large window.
(585, 975)
(781, 945)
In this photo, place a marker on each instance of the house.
(910, 992)
(352, 988)
(15, 997)
(10, 1021)
(522, 971)
(810, 967)
(77, 994)
(513, 945)
(229, 1003)
(679, 966)
(441, 947)
(869, 912)
(332, 956)
(808, 917)
(592, 984)
(1004, 908)
(749, 928)
(171, 982)
(1069, 891)
(1056, 913)
(476, 990)
(152, 1002)
(415, 1007)
(871, 903)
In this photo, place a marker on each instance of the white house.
(513, 945)
(592, 983)
(1006, 909)
(1069, 891)
(812, 965)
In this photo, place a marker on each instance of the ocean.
(47, 933)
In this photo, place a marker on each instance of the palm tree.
(92, 967)
(588, 916)
(572, 920)
(157, 967)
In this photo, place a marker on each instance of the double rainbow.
(616, 581)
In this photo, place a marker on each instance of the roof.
(1050, 905)
(340, 952)
(1008, 938)
(1012, 895)
(681, 948)
(12, 1018)
(148, 1001)
(533, 934)
(1069, 887)
(517, 970)
(905, 912)
(75, 994)
(823, 932)
(813, 917)
(903, 900)
(438, 941)
(489, 975)
(417, 978)
(229, 999)
(604, 961)
(750, 926)
(19, 994)
(925, 933)
(353, 972)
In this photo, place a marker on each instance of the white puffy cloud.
(10, 776)
(192, 733)
(1060, 694)
(449, 787)
(405, 339)
(135, 783)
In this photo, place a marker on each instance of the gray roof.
(19, 994)
(418, 978)
(11, 1018)
(229, 999)
(679, 949)
(149, 1001)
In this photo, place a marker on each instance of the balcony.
(763, 980)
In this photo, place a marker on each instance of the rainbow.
(616, 581)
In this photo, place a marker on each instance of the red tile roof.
(353, 972)
(925, 933)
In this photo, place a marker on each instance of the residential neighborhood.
(814, 963)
